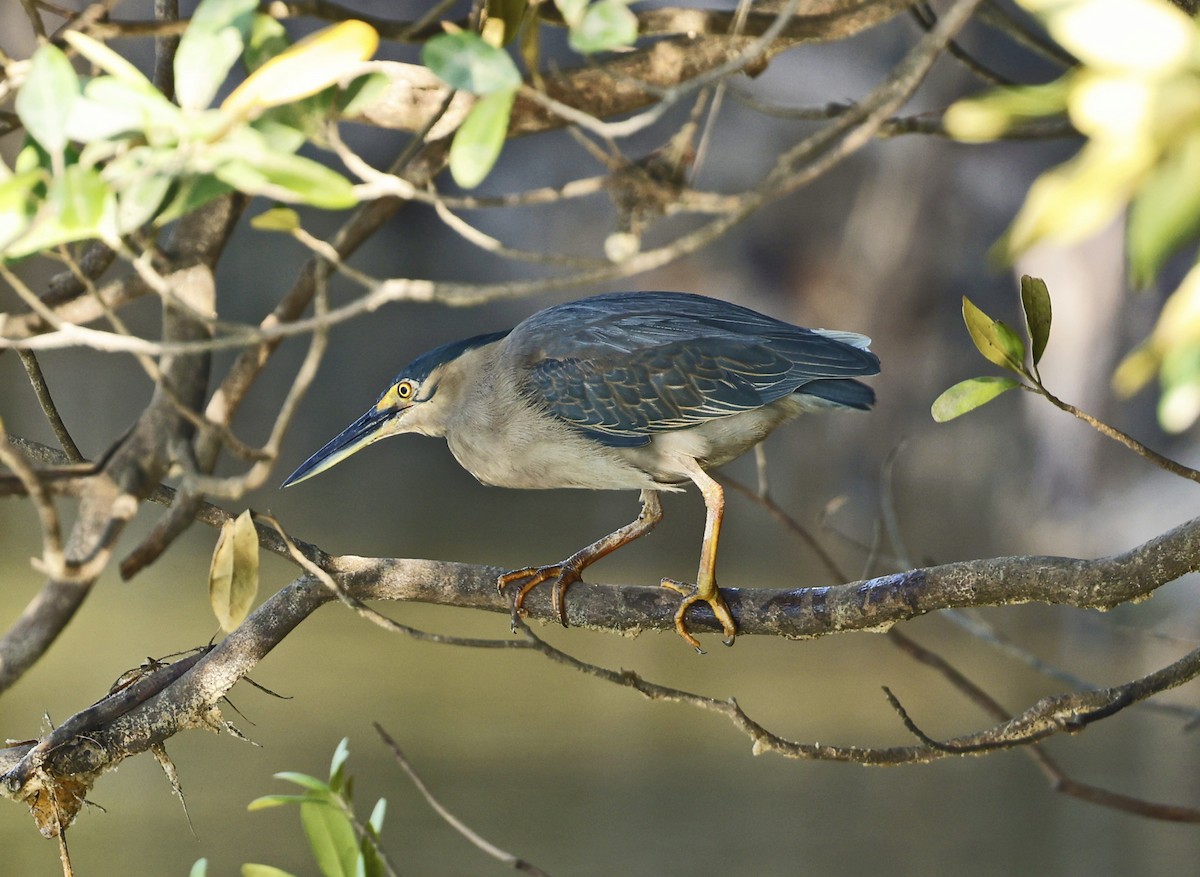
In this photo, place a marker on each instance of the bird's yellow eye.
(404, 390)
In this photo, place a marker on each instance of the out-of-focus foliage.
(1135, 96)
(109, 154)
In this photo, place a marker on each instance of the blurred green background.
(583, 778)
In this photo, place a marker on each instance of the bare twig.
(42, 391)
(450, 819)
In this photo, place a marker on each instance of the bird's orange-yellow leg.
(705, 589)
(569, 571)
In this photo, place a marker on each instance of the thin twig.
(453, 821)
(42, 391)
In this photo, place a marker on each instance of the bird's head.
(411, 403)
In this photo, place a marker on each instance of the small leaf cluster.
(340, 846)
(1000, 344)
(479, 64)
(108, 154)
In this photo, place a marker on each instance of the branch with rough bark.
(192, 700)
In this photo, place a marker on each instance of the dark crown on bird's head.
(425, 364)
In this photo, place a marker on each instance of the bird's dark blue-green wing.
(628, 365)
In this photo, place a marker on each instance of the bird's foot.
(563, 575)
(693, 594)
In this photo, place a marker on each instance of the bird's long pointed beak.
(366, 430)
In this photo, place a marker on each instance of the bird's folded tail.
(840, 393)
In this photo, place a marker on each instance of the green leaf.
(969, 395)
(252, 870)
(306, 780)
(337, 765)
(463, 60)
(1166, 212)
(45, 100)
(1035, 301)
(378, 813)
(276, 219)
(361, 92)
(199, 869)
(111, 107)
(267, 39)
(290, 178)
(209, 48)
(997, 342)
(607, 25)
(192, 194)
(266, 802)
(989, 116)
(17, 204)
(107, 60)
(332, 839)
(139, 200)
(479, 139)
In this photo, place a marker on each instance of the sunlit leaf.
(307, 781)
(988, 116)
(332, 838)
(1147, 36)
(571, 10)
(199, 869)
(464, 60)
(252, 870)
(997, 342)
(276, 219)
(17, 204)
(209, 48)
(233, 575)
(480, 138)
(107, 60)
(266, 802)
(360, 92)
(606, 25)
(311, 65)
(139, 200)
(969, 395)
(1166, 211)
(46, 97)
(337, 765)
(1075, 200)
(1035, 302)
(289, 178)
(378, 813)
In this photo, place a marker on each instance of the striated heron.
(625, 391)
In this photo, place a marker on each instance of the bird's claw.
(693, 594)
(563, 575)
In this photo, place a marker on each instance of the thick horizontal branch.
(796, 612)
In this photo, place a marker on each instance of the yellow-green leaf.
(276, 219)
(969, 395)
(312, 64)
(332, 838)
(252, 870)
(997, 342)
(1035, 301)
(233, 575)
(107, 60)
